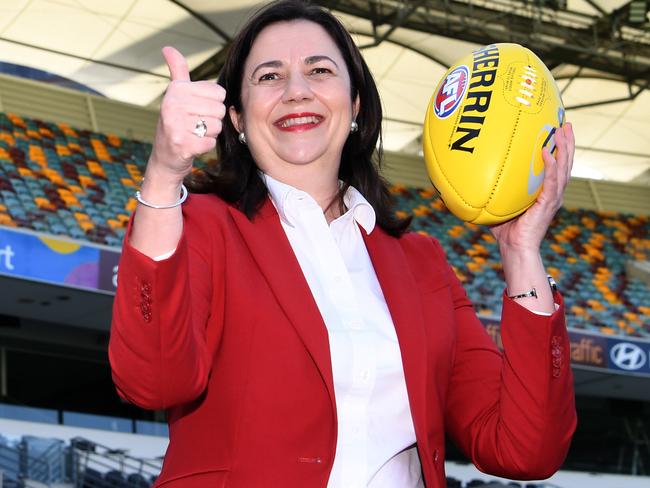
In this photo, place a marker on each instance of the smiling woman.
(295, 333)
(297, 108)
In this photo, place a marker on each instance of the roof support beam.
(605, 43)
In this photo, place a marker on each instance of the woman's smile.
(299, 122)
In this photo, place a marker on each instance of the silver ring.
(200, 129)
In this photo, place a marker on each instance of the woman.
(293, 331)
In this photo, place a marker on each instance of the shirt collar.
(285, 197)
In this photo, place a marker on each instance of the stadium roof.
(600, 57)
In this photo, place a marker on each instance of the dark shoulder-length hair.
(234, 176)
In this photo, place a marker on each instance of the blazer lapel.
(401, 294)
(272, 252)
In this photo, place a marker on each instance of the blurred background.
(80, 86)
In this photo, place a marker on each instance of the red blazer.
(226, 336)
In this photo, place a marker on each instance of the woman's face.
(296, 103)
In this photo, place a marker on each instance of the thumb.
(178, 70)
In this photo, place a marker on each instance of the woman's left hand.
(525, 233)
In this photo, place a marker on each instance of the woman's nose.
(297, 89)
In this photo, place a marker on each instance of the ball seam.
(505, 160)
(507, 155)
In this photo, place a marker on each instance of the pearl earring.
(354, 126)
(242, 137)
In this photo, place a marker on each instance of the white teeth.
(299, 120)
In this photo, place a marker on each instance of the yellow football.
(486, 125)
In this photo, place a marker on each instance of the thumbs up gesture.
(191, 115)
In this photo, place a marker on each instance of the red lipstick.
(292, 123)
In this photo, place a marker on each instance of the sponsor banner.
(55, 260)
(620, 354)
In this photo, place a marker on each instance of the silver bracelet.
(178, 202)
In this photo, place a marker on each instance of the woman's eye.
(321, 71)
(269, 77)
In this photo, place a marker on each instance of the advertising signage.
(613, 354)
(55, 260)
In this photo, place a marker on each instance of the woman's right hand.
(155, 231)
(184, 104)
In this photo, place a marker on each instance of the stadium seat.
(92, 478)
(454, 483)
(136, 480)
(115, 479)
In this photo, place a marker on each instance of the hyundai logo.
(627, 356)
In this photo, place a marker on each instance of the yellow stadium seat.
(131, 204)
(86, 225)
(86, 181)
(100, 150)
(114, 140)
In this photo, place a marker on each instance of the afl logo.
(629, 357)
(451, 92)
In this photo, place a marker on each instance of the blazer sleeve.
(513, 414)
(161, 347)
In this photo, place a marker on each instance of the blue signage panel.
(628, 355)
(58, 261)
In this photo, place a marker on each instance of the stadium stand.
(63, 181)
(78, 183)
(586, 251)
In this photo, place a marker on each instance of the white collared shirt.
(375, 428)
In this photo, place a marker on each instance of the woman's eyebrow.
(319, 57)
(267, 64)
